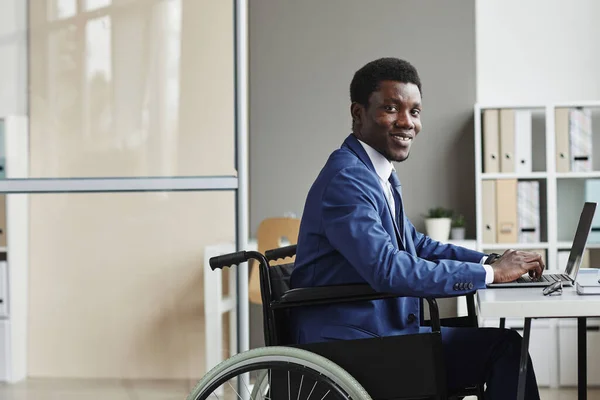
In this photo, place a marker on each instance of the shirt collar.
(383, 166)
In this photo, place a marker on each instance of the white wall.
(537, 50)
(13, 61)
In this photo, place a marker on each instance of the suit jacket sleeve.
(433, 250)
(353, 226)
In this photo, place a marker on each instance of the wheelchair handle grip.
(228, 260)
(281, 252)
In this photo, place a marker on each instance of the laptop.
(575, 256)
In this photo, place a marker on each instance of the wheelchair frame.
(422, 352)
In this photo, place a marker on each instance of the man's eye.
(416, 112)
(391, 108)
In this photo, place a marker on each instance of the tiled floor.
(64, 389)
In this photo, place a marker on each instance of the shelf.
(531, 106)
(529, 175)
(515, 246)
(567, 245)
(585, 103)
(578, 175)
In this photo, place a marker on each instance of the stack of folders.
(511, 208)
(573, 128)
(511, 211)
(2, 152)
(587, 282)
(506, 141)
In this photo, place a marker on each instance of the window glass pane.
(134, 89)
(59, 9)
(97, 87)
(116, 284)
(95, 4)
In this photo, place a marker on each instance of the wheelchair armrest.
(329, 294)
(321, 295)
(470, 320)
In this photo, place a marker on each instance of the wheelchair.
(359, 369)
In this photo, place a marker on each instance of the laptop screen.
(580, 239)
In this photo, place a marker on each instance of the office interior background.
(115, 294)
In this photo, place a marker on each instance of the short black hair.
(367, 79)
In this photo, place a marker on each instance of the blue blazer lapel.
(353, 144)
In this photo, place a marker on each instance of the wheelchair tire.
(308, 361)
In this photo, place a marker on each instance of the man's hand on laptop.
(515, 263)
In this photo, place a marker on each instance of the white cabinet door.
(3, 290)
(567, 339)
(4, 327)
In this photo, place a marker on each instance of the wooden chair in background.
(271, 234)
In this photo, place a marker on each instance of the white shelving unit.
(557, 368)
(14, 256)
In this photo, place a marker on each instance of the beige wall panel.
(116, 282)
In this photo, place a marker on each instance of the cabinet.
(567, 351)
(14, 250)
(535, 166)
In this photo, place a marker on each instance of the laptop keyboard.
(551, 278)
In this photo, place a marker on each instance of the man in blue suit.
(354, 230)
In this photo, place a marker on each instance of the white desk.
(530, 303)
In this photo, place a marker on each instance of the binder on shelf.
(523, 145)
(580, 137)
(592, 194)
(488, 210)
(3, 289)
(507, 140)
(491, 141)
(561, 130)
(528, 211)
(2, 220)
(2, 151)
(506, 211)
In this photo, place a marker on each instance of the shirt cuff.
(489, 274)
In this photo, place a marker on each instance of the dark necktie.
(397, 193)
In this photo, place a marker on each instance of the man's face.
(391, 121)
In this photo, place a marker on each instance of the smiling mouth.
(402, 138)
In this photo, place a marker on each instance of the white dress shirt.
(383, 168)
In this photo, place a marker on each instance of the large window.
(131, 88)
(133, 100)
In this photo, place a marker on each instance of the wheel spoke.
(238, 395)
(300, 390)
(326, 394)
(311, 391)
(246, 386)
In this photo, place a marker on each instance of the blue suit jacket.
(347, 235)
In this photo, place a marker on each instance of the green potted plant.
(458, 227)
(437, 223)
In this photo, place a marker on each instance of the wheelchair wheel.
(275, 373)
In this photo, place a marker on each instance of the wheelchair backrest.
(280, 279)
(276, 322)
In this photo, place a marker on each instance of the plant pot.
(438, 228)
(457, 233)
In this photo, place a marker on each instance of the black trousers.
(486, 355)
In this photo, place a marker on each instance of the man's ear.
(356, 111)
